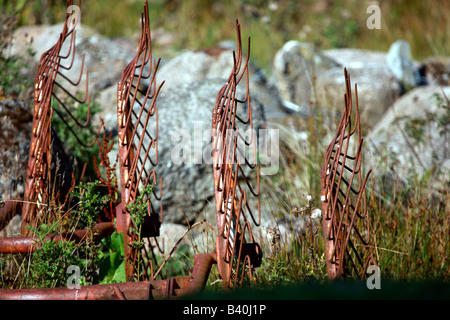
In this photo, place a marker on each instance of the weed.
(111, 259)
(89, 203)
(85, 215)
(49, 262)
(138, 210)
(106, 168)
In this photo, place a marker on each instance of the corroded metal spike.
(346, 225)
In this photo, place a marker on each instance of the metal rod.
(12, 245)
(173, 288)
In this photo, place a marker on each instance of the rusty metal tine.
(138, 157)
(69, 94)
(71, 47)
(230, 197)
(61, 116)
(344, 204)
(69, 113)
(80, 76)
(39, 164)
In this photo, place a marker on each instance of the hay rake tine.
(230, 196)
(135, 152)
(40, 158)
(344, 206)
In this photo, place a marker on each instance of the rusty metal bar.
(346, 225)
(232, 209)
(28, 244)
(145, 290)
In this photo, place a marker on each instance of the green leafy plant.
(99, 262)
(138, 211)
(111, 259)
(90, 203)
(50, 260)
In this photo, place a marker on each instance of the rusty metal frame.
(14, 245)
(235, 245)
(37, 193)
(131, 132)
(135, 108)
(237, 252)
(173, 288)
(346, 223)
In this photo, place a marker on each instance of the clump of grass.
(336, 24)
(412, 233)
(47, 265)
(138, 210)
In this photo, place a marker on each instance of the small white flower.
(309, 197)
(322, 198)
(316, 213)
(273, 6)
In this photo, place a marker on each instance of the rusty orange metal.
(29, 244)
(39, 168)
(235, 245)
(173, 288)
(346, 219)
(137, 116)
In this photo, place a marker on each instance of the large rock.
(15, 133)
(171, 234)
(15, 124)
(306, 76)
(217, 62)
(378, 89)
(435, 71)
(295, 67)
(413, 138)
(400, 63)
